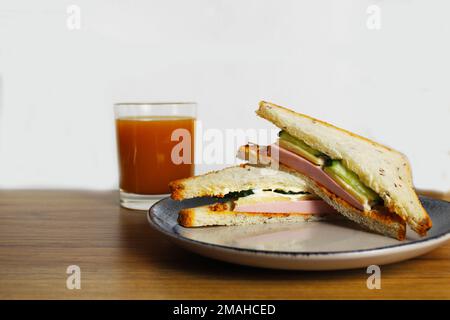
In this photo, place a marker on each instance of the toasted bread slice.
(221, 214)
(381, 168)
(233, 179)
(380, 221)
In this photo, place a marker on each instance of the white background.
(57, 85)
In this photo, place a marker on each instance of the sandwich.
(369, 183)
(249, 194)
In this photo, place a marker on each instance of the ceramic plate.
(324, 245)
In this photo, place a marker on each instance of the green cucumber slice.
(302, 149)
(336, 170)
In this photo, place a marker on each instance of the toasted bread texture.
(387, 223)
(380, 221)
(221, 214)
(232, 179)
(381, 168)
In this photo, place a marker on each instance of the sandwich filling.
(330, 173)
(278, 201)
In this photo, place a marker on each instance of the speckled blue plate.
(323, 245)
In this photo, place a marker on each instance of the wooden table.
(121, 257)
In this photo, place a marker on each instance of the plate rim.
(411, 245)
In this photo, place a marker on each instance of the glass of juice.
(155, 143)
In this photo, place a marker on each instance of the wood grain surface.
(42, 232)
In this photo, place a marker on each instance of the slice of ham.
(314, 172)
(298, 206)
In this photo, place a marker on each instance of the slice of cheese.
(274, 202)
(261, 196)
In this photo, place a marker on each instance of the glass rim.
(157, 103)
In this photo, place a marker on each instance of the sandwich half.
(365, 181)
(248, 194)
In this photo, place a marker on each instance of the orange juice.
(145, 148)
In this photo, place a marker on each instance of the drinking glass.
(155, 144)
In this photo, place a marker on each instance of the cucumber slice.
(302, 149)
(353, 184)
(362, 198)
